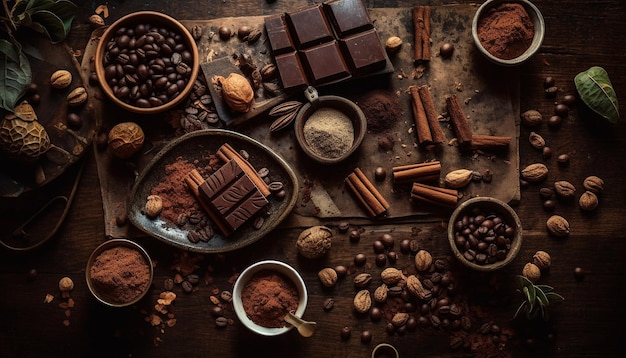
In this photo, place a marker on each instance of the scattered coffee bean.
(224, 33)
(380, 174)
(446, 50)
(579, 273)
(221, 322)
(168, 284)
(456, 342)
(563, 159)
(187, 286)
(226, 296)
(390, 328)
(378, 246)
(546, 152)
(569, 100)
(554, 122)
(551, 92)
(345, 333)
(343, 226)
(381, 260)
(546, 193)
(548, 82)
(360, 259)
(387, 240)
(414, 246)
(74, 121)
(392, 257)
(404, 246)
(217, 311)
(355, 236)
(561, 110)
(366, 336)
(376, 314)
(329, 303)
(193, 279)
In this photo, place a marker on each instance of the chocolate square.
(363, 52)
(348, 16)
(324, 63)
(231, 196)
(291, 71)
(309, 27)
(278, 34)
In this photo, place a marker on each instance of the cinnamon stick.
(426, 35)
(421, 172)
(434, 195)
(226, 153)
(431, 114)
(418, 31)
(459, 121)
(419, 117)
(490, 142)
(365, 192)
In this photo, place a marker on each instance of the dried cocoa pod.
(285, 108)
(283, 121)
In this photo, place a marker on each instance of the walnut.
(542, 259)
(531, 272)
(237, 92)
(314, 242)
(459, 178)
(362, 301)
(535, 172)
(564, 189)
(531, 118)
(588, 201)
(153, 207)
(399, 319)
(125, 139)
(327, 276)
(593, 184)
(423, 260)
(363, 279)
(61, 79)
(558, 226)
(380, 294)
(392, 276)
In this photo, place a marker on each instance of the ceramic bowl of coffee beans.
(265, 293)
(485, 233)
(146, 62)
(508, 32)
(119, 273)
(329, 128)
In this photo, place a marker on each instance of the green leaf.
(595, 89)
(15, 74)
(53, 25)
(554, 297)
(520, 309)
(543, 300)
(545, 288)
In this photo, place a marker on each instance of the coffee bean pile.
(483, 237)
(147, 66)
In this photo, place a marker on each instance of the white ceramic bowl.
(271, 265)
(535, 16)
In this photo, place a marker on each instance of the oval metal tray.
(197, 146)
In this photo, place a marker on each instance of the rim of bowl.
(272, 265)
(108, 245)
(534, 14)
(161, 18)
(359, 123)
(507, 210)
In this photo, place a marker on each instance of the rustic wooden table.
(579, 34)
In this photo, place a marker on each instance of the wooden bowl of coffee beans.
(146, 62)
(485, 233)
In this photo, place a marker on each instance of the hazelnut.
(594, 184)
(66, 284)
(393, 44)
(531, 118)
(564, 189)
(125, 139)
(535, 172)
(542, 260)
(327, 276)
(153, 207)
(314, 242)
(531, 272)
(423, 260)
(459, 178)
(588, 201)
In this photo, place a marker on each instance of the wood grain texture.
(580, 34)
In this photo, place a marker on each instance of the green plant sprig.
(536, 299)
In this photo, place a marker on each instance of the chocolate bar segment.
(309, 26)
(231, 196)
(278, 34)
(348, 16)
(324, 63)
(364, 52)
(291, 71)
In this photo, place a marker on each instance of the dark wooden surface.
(590, 322)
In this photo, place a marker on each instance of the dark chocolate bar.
(324, 63)
(309, 27)
(232, 196)
(291, 71)
(278, 34)
(348, 16)
(363, 52)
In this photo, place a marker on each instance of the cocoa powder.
(381, 109)
(506, 31)
(120, 273)
(268, 297)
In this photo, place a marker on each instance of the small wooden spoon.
(305, 328)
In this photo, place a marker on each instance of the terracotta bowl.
(156, 19)
(102, 296)
(278, 267)
(535, 17)
(487, 205)
(344, 105)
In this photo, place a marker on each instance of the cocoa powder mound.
(381, 109)
(121, 273)
(506, 31)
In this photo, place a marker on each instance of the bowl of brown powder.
(265, 293)
(508, 32)
(329, 128)
(119, 273)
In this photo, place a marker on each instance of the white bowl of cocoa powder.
(508, 32)
(119, 273)
(263, 295)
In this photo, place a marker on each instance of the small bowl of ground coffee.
(329, 128)
(508, 32)
(119, 273)
(265, 293)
